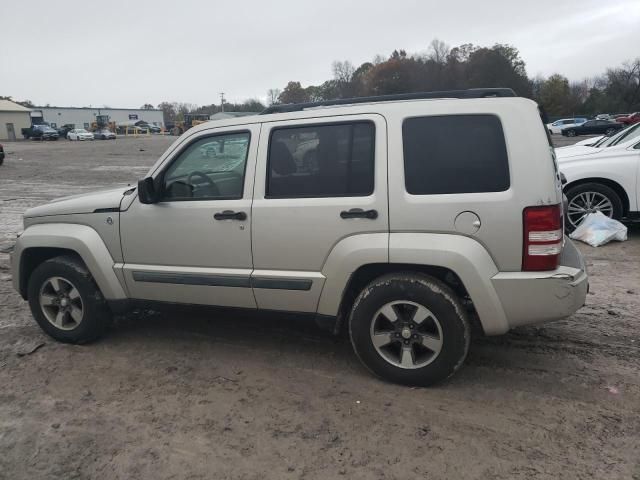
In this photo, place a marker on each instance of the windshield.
(81, 130)
(624, 135)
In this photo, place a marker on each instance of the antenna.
(222, 101)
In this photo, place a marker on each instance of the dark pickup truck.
(40, 132)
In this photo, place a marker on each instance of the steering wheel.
(210, 185)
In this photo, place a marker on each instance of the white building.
(83, 117)
(13, 118)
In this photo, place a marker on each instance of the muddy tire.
(410, 329)
(66, 302)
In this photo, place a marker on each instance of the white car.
(603, 177)
(557, 126)
(588, 142)
(79, 134)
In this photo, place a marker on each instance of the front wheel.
(590, 198)
(571, 133)
(410, 329)
(66, 302)
(610, 131)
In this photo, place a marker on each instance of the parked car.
(557, 126)
(602, 177)
(592, 127)
(1, 154)
(40, 132)
(587, 142)
(62, 131)
(629, 119)
(104, 134)
(347, 242)
(80, 134)
(603, 116)
(620, 140)
(149, 127)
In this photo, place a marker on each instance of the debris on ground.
(597, 229)
(28, 347)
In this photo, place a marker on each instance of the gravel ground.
(180, 395)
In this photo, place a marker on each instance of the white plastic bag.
(597, 229)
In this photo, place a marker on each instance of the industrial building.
(13, 118)
(83, 117)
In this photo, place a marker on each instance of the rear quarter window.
(454, 154)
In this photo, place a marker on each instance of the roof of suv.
(362, 105)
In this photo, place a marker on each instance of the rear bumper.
(536, 297)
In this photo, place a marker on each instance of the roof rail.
(470, 93)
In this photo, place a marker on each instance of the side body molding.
(464, 256)
(83, 240)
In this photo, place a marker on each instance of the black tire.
(610, 131)
(571, 133)
(419, 289)
(96, 315)
(604, 190)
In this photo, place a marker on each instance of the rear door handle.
(230, 215)
(359, 213)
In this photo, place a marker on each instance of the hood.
(575, 151)
(84, 203)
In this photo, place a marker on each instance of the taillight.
(543, 236)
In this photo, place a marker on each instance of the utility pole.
(222, 101)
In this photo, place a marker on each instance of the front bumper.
(536, 297)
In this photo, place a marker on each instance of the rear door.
(318, 181)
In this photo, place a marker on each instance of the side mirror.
(147, 191)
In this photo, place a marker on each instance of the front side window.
(454, 154)
(209, 168)
(335, 160)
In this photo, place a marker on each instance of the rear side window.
(454, 154)
(334, 160)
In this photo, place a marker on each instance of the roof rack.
(470, 93)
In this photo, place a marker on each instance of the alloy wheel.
(61, 303)
(406, 334)
(585, 203)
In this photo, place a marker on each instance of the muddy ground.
(176, 396)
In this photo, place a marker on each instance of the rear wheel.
(409, 328)
(66, 302)
(590, 198)
(610, 131)
(571, 133)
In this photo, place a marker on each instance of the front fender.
(81, 239)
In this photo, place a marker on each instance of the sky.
(123, 53)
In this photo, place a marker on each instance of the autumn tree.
(293, 93)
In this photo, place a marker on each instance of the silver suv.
(405, 219)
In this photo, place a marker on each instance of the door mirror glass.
(147, 191)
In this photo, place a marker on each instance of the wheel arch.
(40, 242)
(615, 186)
(366, 274)
(34, 256)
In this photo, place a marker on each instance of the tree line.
(440, 67)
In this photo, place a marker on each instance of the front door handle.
(359, 213)
(230, 215)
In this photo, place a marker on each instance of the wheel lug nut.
(406, 342)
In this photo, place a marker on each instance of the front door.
(194, 245)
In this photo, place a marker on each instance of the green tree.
(554, 95)
(293, 93)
